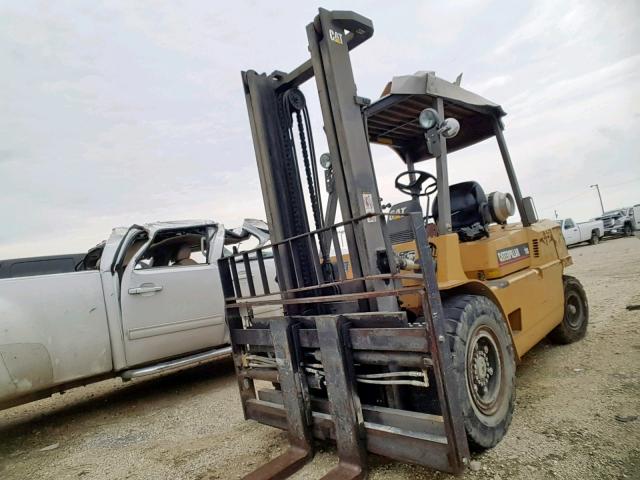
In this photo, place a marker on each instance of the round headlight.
(429, 118)
(325, 161)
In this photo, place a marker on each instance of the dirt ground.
(574, 412)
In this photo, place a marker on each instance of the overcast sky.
(127, 112)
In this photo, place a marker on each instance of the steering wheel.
(414, 187)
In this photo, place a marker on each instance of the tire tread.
(562, 334)
(460, 311)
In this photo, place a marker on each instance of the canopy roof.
(393, 119)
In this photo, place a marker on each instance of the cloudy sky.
(124, 112)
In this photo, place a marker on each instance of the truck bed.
(46, 265)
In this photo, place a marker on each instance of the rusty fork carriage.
(343, 377)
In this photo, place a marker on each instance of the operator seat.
(183, 257)
(470, 215)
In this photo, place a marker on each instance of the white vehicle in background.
(146, 300)
(574, 233)
(622, 221)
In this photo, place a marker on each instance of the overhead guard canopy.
(393, 119)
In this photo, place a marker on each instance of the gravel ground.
(188, 425)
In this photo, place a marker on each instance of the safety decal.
(367, 199)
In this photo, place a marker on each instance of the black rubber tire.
(574, 323)
(628, 230)
(467, 316)
(594, 239)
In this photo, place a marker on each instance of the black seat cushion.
(470, 215)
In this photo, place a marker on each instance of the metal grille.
(401, 237)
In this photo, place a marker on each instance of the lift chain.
(296, 105)
(317, 217)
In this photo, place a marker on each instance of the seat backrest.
(470, 216)
(183, 256)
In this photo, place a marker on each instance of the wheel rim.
(574, 310)
(485, 370)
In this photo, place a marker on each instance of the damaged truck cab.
(146, 300)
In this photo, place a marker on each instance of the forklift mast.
(273, 100)
(345, 362)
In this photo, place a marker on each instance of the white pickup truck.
(574, 233)
(623, 221)
(146, 300)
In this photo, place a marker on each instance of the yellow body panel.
(520, 267)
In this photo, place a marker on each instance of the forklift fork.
(345, 408)
(344, 402)
(294, 397)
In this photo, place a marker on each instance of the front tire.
(484, 366)
(594, 238)
(628, 230)
(576, 313)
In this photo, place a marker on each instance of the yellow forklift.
(400, 331)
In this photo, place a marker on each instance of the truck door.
(171, 298)
(571, 232)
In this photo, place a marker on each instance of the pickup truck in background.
(622, 221)
(574, 233)
(146, 300)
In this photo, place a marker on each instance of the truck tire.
(595, 239)
(484, 366)
(576, 313)
(628, 230)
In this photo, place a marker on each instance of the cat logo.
(335, 37)
(397, 213)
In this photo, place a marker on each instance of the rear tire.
(595, 239)
(576, 313)
(484, 366)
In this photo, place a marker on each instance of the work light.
(429, 118)
(449, 128)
